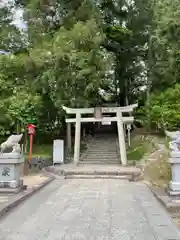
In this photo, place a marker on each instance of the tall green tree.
(166, 44)
(163, 64)
(12, 39)
(126, 36)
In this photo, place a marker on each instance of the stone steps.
(101, 175)
(111, 142)
(99, 172)
(125, 177)
(104, 148)
(114, 154)
(101, 156)
(102, 151)
(93, 171)
(100, 159)
(99, 163)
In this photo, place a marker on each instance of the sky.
(18, 14)
(18, 18)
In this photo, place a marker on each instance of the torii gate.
(99, 118)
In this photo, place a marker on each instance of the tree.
(11, 38)
(163, 60)
(18, 104)
(64, 64)
(164, 109)
(165, 45)
(76, 48)
(126, 36)
(75, 64)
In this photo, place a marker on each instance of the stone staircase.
(103, 149)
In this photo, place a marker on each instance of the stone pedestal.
(10, 171)
(174, 185)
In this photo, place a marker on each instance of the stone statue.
(11, 144)
(174, 144)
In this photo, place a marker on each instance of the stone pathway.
(33, 180)
(90, 209)
(4, 198)
(30, 181)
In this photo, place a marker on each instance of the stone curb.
(52, 174)
(165, 200)
(22, 196)
(159, 198)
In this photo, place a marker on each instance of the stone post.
(10, 171)
(122, 143)
(128, 127)
(174, 185)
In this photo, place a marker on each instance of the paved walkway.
(30, 181)
(90, 209)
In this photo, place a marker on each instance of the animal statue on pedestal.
(11, 144)
(174, 144)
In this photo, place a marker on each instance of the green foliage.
(164, 109)
(42, 150)
(139, 146)
(165, 44)
(18, 101)
(71, 49)
(73, 64)
(117, 33)
(24, 106)
(11, 38)
(17, 109)
(126, 37)
(64, 65)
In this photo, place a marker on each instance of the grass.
(46, 150)
(158, 172)
(43, 150)
(136, 151)
(140, 145)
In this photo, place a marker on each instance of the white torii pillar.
(77, 142)
(122, 143)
